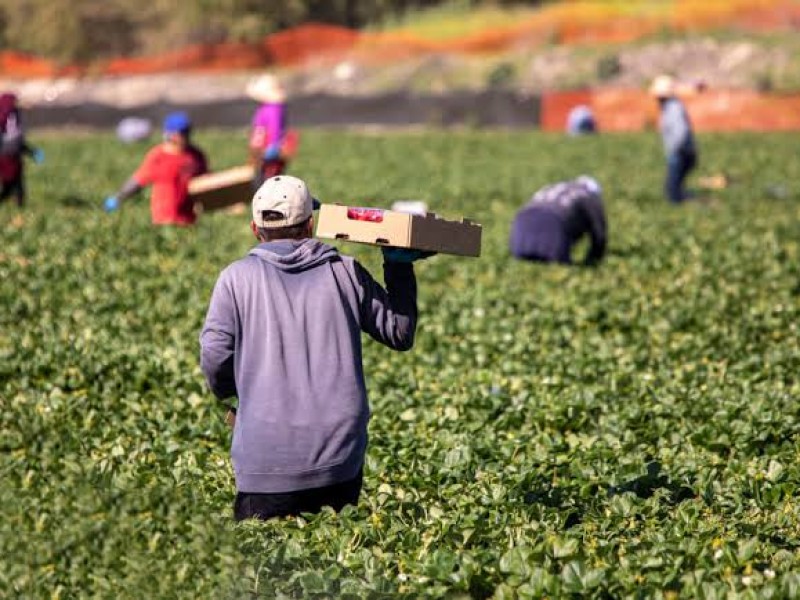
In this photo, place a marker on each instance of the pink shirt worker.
(271, 143)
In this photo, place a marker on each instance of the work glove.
(404, 255)
(111, 204)
(273, 152)
(38, 156)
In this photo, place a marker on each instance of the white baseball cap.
(282, 201)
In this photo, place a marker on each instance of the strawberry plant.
(627, 430)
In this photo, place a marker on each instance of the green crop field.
(632, 430)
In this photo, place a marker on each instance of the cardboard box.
(222, 188)
(391, 228)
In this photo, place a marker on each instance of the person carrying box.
(168, 168)
(283, 335)
(556, 217)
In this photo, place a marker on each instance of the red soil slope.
(714, 110)
(567, 23)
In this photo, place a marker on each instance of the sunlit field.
(630, 430)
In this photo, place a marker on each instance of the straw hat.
(663, 86)
(266, 88)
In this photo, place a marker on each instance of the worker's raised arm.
(389, 315)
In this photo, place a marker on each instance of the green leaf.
(516, 561)
(563, 548)
(747, 550)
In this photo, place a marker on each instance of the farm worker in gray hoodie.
(556, 217)
(283, 335)
(676, 132)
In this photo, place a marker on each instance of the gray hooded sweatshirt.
(282, 334)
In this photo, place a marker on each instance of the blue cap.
(177, 122)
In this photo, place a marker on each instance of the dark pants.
(679, 165)
(268, 506)
(14, 188)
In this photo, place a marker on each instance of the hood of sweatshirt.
(294, 256)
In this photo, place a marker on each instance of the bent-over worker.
(556, 217)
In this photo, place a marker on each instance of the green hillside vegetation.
(84, 30)
(452, 20)
(629, 431)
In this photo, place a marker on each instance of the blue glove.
(38, 156)
(273, 152)
(404, 255)
(111, 204)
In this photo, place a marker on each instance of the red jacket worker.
(168, 168)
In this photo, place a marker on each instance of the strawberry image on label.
(373, 215)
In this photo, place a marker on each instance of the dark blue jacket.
(555, 218)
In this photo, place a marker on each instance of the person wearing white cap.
(556, 217)
(271, 142)
(676, 132)
(283, 335)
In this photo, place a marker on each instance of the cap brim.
(315, 204)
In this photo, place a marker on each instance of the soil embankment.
(580, 22)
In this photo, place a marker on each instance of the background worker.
(677, 136)
(556, 217)
(581, 121)
(271, 143)
(168, 168)
(12, 150)
(283, 334)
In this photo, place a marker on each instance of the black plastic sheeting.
(496, 108)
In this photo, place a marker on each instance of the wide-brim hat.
(266, 88)
(663, 86)
(282, 201)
